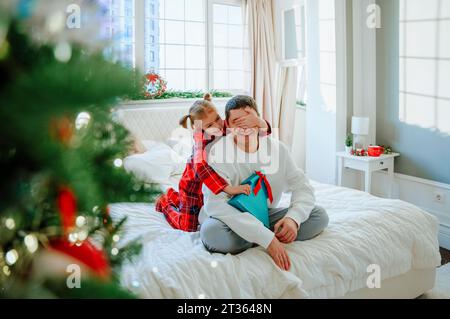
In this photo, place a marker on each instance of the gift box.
(255, 203)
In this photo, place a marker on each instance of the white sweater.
(234, 165)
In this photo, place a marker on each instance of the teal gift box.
(256, 202)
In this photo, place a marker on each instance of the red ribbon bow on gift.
(258, 186)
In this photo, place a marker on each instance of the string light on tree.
(6, 270)
(83, 235)
(114, 251)
(11, 257)
(118, 162)
(10, 223)
(55, 22)
(31, 243)
(80, 221)
(73, 238)
(116, 238)
(63, 52)
(82, 120)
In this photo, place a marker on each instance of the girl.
(181, 208)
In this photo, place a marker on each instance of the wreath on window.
(154, 85)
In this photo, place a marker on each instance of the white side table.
(368, 165)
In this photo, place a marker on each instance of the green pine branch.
(171, 94)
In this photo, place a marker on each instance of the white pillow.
(155, 165)
(181, 142)
(182, 147)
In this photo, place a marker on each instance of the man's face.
(237, 114)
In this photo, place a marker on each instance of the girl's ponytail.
(207, 97)
(198, 110)
(183, 121)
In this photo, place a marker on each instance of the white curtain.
(263, 58)
(286, 102)
(273, 87)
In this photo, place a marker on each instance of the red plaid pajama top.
(181, 208)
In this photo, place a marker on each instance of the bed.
(367, 236)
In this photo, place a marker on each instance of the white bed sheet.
(363, 230)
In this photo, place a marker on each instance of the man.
(225, 229)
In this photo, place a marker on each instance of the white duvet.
(363, 230)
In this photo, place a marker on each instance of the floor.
(441, 289)
(445, 255)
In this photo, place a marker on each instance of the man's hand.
(286, 230)
(279, 254)
(251, 120)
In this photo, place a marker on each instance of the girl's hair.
(197, 110)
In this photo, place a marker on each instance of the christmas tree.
(61, 156)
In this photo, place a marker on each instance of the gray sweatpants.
(219, 238)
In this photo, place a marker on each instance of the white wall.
(326, 114)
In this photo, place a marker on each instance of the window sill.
(174, 102)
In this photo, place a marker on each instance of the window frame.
(302, 60)
(139, 24)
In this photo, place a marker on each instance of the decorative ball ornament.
(154, 85)
(62, 129)
(87, 254)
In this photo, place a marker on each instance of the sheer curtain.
(263, 58)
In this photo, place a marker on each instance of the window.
(327, 54)
(191, 50)
(181, 43)
(118, 25)
(300, 19)
(425, 63)
(152, 9)
(230, 50)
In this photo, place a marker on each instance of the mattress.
(364, 231)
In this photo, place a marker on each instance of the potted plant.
(349, 143)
